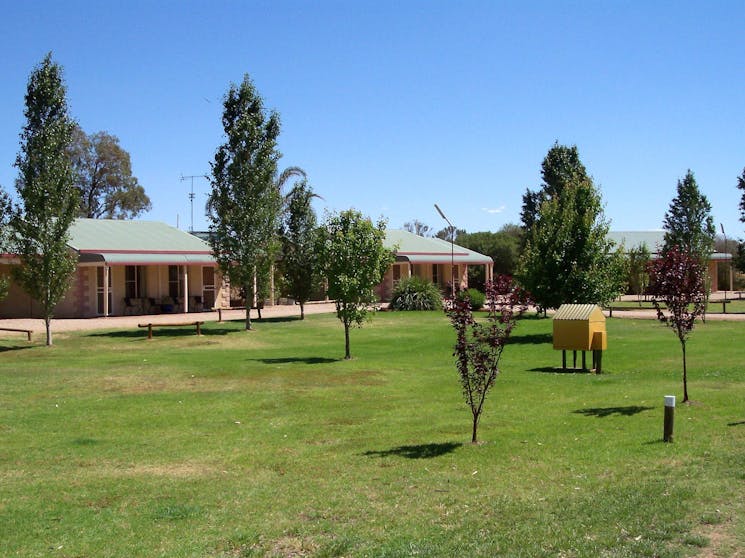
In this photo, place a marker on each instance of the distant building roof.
(136, 243)
(653, 240)
(417, 249)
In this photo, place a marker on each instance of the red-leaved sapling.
(480, 343)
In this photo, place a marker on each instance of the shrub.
(415, 293)
(475, 296)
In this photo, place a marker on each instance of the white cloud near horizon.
(499, 209)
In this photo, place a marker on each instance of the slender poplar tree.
(48, 198)
(299, 229)
(244, 205)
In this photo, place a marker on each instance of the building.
(654, 241)
(434, 259)
(129, 267)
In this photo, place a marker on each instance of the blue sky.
(392, 107)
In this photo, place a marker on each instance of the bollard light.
(667, 435)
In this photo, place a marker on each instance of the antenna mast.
(192, 195)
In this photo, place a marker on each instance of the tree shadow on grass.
(17, 348)
(290, 360)
(531, 339)
(421, 451)
(738, 423)
(560, 370)
(602, 412)
(160, 332)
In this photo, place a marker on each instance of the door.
(208, 287)
(100, 290)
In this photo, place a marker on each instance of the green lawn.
(266, 443)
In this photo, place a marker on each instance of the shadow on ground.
(290, 360)
(602, 412)
(161, 332)
(17, 348)
(560, 370)
(532, 339)
(738, 423)
(256, 320)
(422, 451)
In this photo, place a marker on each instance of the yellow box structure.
(580, 327)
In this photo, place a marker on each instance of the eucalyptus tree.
(244, 204)
(103, 177)
(48, 200)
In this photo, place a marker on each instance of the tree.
(447, 233)
(741, 187)
(677, 280)
(352, 257)
(639, 258)
(6, 209)
(244, 204)
(688, 222)
(560, 167)
(48, 199)
(568, 257)
(103, 177)
(417, 227)
(479, 346)
(298, 236)
(502, 246)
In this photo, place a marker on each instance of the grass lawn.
(266, 443)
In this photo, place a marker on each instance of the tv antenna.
(191, 194)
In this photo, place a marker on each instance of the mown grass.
(267, 443)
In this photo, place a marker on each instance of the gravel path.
(126, 322)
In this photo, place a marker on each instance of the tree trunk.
(48, 324)
(685, 375)
(248, 317)
(302, 311)
(474, 439)
(347, 355)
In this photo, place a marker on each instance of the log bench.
(26, 331)
(150, 327)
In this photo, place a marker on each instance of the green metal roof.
(419, 249)
(136, 243)
(653, 240)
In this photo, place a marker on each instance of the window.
(435, 274)
(175, 281)
(133, 286)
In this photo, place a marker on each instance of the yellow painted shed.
(580, 327)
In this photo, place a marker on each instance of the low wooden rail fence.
(150, 327)
(26, 331)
